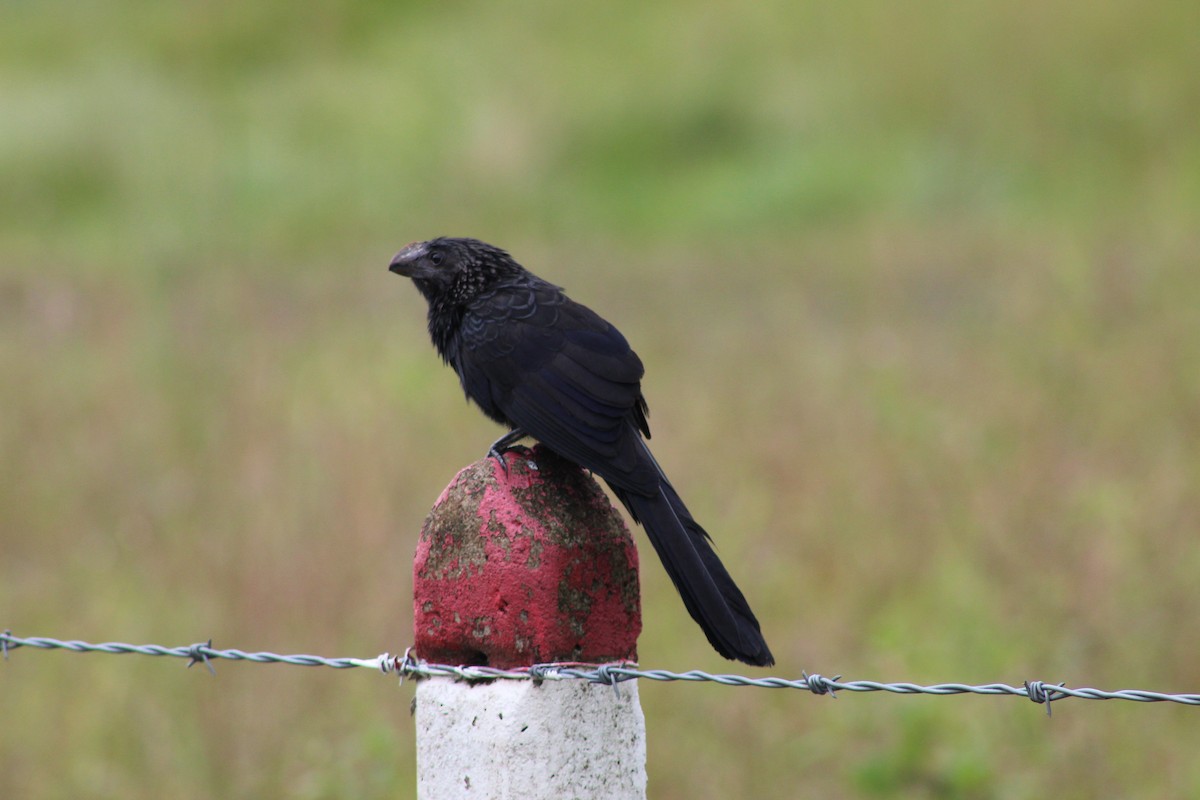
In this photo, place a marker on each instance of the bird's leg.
(503, 444)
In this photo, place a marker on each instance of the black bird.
(547, 367)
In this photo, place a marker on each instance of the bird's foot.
(503, 445)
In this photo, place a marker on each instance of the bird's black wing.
(533, 357)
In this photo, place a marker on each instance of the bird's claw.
(503, 445)
(496, 453)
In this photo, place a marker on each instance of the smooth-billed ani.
(547, 367)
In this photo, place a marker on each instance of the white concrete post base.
(514, 739)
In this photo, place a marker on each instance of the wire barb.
(604, 674)
(1039, 693)
(197, 654)
(537, 673)
(386, 662)
(401, 665)
(818, 684)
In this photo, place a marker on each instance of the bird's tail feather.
(708, 591)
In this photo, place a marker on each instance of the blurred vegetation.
(917, 290)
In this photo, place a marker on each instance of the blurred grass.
(917, 291)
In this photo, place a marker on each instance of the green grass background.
(916, 286)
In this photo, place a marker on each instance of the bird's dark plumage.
(545, 366)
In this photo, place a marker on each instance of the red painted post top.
(528, 567)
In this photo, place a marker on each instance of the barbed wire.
(407, 666)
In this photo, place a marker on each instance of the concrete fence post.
(521, 566)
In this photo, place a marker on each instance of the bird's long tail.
(708, 591)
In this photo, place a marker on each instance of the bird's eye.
(436, 258)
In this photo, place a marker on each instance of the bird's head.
(451, 268)
(421, 261)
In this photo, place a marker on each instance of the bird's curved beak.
(405, 262)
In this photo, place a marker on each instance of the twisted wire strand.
(406, 666)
